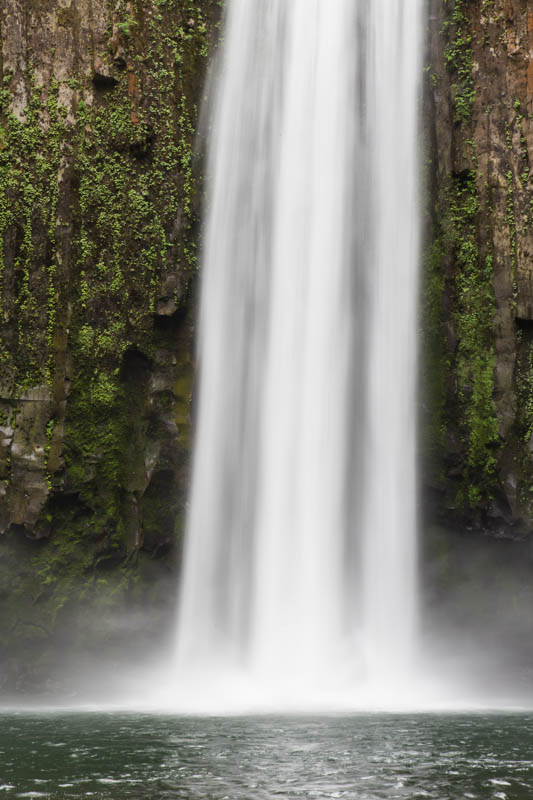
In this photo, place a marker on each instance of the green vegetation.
(459, 336)
(29, 188)
(435, 360)
(458, 58)
(456, 262)
(99, 196)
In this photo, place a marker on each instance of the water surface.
(119, 756)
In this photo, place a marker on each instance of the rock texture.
(478, 284)
(99, 201)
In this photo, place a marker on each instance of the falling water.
(300, 556)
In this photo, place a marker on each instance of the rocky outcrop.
(477, 299)
(99, 201)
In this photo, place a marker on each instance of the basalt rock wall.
(99, 207)
(477, 288)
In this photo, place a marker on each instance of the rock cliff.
(477, 377)
(99, 203)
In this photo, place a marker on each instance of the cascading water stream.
(300, 557)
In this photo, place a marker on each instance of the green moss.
(98, 217)
(66, 17)
(524, 389)
(95, 216)
(435, 358)
(475, 357)
(460, 423)
(29, 188)
(458, 58)
(62, 584)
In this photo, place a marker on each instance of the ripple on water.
(119, 757)
(33, 794)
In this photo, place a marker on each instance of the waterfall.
(300, 553)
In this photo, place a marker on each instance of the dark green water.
(119, 756)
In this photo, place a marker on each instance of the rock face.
(477, 373)
(99, 207)
(99, 204)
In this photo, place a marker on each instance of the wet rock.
(166, 306)
(93, 432)
(103, 76)
(480, 106)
